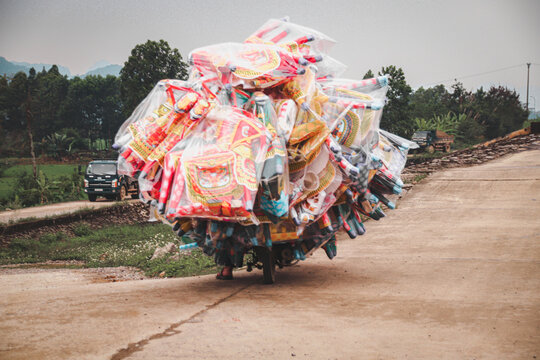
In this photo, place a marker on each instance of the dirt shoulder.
(54, 210)
(131, 212)
(452, 273)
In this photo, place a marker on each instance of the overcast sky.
(433, 41)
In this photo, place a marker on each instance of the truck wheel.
(430, 149)
(447, 148)
(92, 197)
(123, 193)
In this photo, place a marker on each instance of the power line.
(477, 74)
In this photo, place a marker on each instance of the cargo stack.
(264, 146)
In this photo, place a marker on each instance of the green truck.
(433, 140)
(102, 179)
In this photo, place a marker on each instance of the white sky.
(433, 41)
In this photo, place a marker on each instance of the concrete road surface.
(454, 273)
(54, 209)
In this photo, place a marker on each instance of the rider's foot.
(225, 273)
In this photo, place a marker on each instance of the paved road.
(454, 273)
(55, 209)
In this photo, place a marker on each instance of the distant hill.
(10, 68)
(62, 69)
(112, 69)
(99, 64)
(102, 68)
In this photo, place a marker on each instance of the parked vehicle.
(102, 179)
(433, 140)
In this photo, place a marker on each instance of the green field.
(51, 171)
(9, 177)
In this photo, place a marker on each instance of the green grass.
(419, 177)
(126, 245)
(7, 185)
(51, 171)
(8, 177)
(416, 179)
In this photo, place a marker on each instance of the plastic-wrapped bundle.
(392, 150)
(275, 175)
(264, 147)
(282, 31)
(215, 171)
(355, 110)
(247, 65)
(164, 116)
(311, 44)
(162, 94)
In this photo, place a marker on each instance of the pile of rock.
(475, 155)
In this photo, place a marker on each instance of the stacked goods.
(263, 146)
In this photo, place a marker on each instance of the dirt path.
(454, 273)
(55, 209)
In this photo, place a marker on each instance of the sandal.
(221, 276)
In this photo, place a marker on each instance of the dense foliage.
(61, 116)
(65, 115)
(470, 116)
(27, 190)
(149, 63)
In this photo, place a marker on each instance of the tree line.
(470, 116)
(47, 113)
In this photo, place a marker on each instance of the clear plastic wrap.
(140, 137)
(219, 168)
(354, 110)
(376, 87)
(264, 144)
(392, 150)
(152, 106)
(282, 31)
(312, 45)
(286, 111)
(275, 175)
(246, 65)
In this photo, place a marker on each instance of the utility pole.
(527, 102)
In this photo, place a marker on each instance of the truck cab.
(102, 179)
(433, 140)
(423, 138)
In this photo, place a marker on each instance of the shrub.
(47, 238)
(29, 197)
(53, 237)
(469, 132)
(22, 244)
(82, 230)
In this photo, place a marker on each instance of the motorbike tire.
(265, 256)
